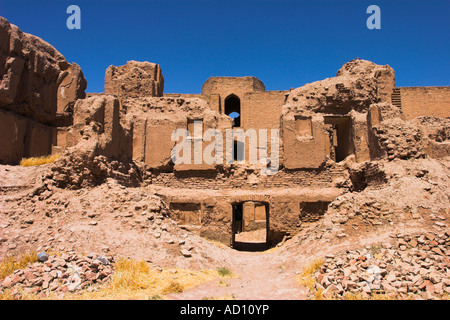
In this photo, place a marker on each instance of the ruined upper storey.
(134, 79)
(357, 85)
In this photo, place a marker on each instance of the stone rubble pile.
(415, 266)
(59, 274)
(401, 140)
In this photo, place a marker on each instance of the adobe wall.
(262, 110)
(425, 101)
(210, 213)
(232, 85)
(153, 120)
(305, 141)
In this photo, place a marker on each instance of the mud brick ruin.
(331, 134)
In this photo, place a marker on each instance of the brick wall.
(425, 101)
(212, 180)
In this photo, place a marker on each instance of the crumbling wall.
(262, 110)
(134, 79)
(102, 147)
(312, 211)
(357, 85)
(400, 139)
(312, 119)
(394, 138)
(437, 131)
(224, 86)
(22, 138)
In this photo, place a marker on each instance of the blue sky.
(284, 43)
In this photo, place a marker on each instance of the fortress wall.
(425, 101)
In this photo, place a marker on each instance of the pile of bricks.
(59, 274)
(416, 266)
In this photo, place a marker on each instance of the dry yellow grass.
(131, 279)
(139, 280)
(11, 263)
(306, 278)
(37, 161)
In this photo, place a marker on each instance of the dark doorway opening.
(237, 218)
(233, 109)
(250, 226)
(238, 151)
(340, 136)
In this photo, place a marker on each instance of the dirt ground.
(121, 221)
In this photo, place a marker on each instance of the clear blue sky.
(284, 43)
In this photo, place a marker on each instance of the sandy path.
(257, 277)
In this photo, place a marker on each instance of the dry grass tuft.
(224, 272)
(37, 161)
(11, 263)
(173, 287)
(306, 277)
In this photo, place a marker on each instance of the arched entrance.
(233, 109)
